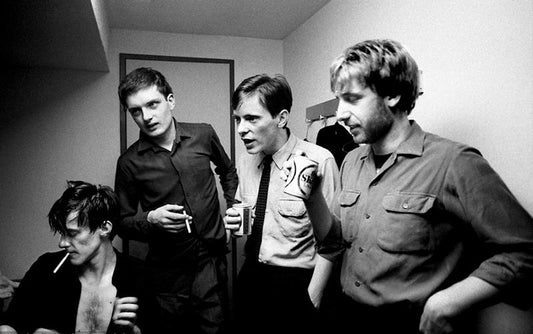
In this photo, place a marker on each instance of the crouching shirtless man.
(88, 287)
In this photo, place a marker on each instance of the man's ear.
(283, 118)
(171, 101)
(392, 101)
(106, 228)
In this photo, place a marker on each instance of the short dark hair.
(140, 78)
(94, 204)
(274, 93)
(383, 65)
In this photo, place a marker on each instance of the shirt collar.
(412, 145)
(145, 143)
(285, 151)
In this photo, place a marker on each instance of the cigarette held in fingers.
(61, 263)
(187, 223)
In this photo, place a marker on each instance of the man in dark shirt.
(168, 172)
(88, 287)
(425, 227)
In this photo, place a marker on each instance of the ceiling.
(270, 19)
(67, 33)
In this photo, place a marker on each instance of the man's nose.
(147, 114)
(241, 128)
(343, 112)
(63, 242)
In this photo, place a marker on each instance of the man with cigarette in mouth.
(167, 172)
(88, 287)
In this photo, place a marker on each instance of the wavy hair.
(383, 65)
(93, 203)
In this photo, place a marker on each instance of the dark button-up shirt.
(48, 300)
(434, 213)
(152, 177)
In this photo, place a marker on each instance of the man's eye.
(351, 99)
(134, 111)
(152, 105)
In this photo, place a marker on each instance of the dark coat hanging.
(337, 139)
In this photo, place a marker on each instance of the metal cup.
(301, 178)
(245, 211)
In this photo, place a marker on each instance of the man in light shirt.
(277, 288)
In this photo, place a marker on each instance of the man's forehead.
(349, 88)
(347, 75)
(145, 93)
(251, 106)
(72, 221)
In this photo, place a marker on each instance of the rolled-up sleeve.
(329, 173)
(503, 227)
(333, 244)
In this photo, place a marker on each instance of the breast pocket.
(295, 223)
(406, 227)
(348, 205)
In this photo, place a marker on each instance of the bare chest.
(95, 308)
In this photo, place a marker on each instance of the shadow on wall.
(25, 92)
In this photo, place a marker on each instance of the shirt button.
(357, 283)
(367, 216)
(405, 205)
(360, 249)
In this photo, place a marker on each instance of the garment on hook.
(337, 139)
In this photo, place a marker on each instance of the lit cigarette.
(61, 263)
(187, 223)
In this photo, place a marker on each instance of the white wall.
(55, 125)
(58, 125)
(477, 58)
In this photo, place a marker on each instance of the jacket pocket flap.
(290, 208)
(409, 202)
(348, 198)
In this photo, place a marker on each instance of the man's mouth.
(247, 141)
(151, 126)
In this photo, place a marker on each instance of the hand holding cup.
(238, 219)
(232, 219)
